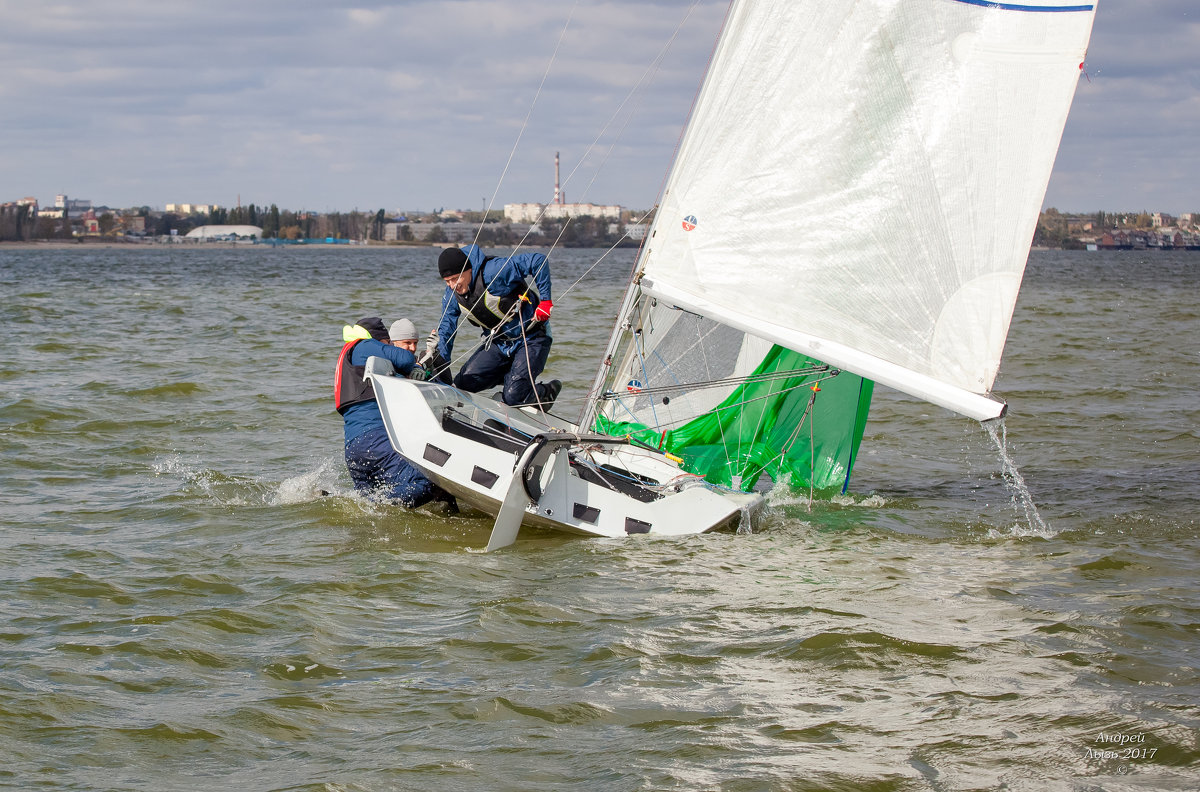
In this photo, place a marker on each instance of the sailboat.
(852, 203)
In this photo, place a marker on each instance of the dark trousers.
(379, 471)
(489, 367)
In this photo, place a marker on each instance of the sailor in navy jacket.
(376, 468)
(494, 294)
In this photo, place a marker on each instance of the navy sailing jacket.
(503, 277)
(365, 415)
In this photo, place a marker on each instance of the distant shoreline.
(58, 244)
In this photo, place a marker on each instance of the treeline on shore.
(23, 224)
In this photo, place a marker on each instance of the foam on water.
(310, 486)
(227, 490)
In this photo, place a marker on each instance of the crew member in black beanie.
(494, 294)
(377, 469)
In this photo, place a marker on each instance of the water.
(181, 609)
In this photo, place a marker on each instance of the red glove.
(542, 312)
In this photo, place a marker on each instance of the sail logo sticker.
(689, 223)
(633, 386)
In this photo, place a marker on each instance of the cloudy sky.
(460, 104)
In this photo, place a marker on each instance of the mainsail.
(858, 185)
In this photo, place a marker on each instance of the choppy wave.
(194, 593)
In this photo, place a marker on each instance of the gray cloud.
(420, 104)
(1130, 141)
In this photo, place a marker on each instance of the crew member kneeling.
(494, 295)
(376, 468)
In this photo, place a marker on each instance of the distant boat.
(852, 202)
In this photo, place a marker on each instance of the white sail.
(860, 181)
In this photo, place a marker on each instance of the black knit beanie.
(452, 262)
(375, 326)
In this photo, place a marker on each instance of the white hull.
(471, 446)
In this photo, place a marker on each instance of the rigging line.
(748, 379)
(680, 355)
(806, 415)
(812, 452)
(812, 447)
(651, 69)
(761, 416)
(666, 367)
(591, 465)
(503, 419)
(636, 341)
(595, 264)
(579, 459)
(632, 416)
(529, 114)
(603, 256)
(591, 405)
(485, 429)
(636, 91)
(720, 419)
(528, 363)
(520, 134)
(679, 385)
(735, 405)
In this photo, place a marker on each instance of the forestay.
(860, 182)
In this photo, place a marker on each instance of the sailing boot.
(547, 392)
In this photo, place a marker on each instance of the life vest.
(486, 310)
(349, 387)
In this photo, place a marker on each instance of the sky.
(456, 104)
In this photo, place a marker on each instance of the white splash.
(1022, 500)
(308, 486)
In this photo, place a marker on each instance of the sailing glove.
(542, 312)
(418, 374)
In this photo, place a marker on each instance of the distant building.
(523, 212)
(224, 233)
(133, 224)
(190, 209)
(636, 230)
(533, 212)
(72, 207)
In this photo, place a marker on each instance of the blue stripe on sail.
(1018, 7)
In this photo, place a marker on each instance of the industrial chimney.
(558, 196)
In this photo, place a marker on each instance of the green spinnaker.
(762, 428)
